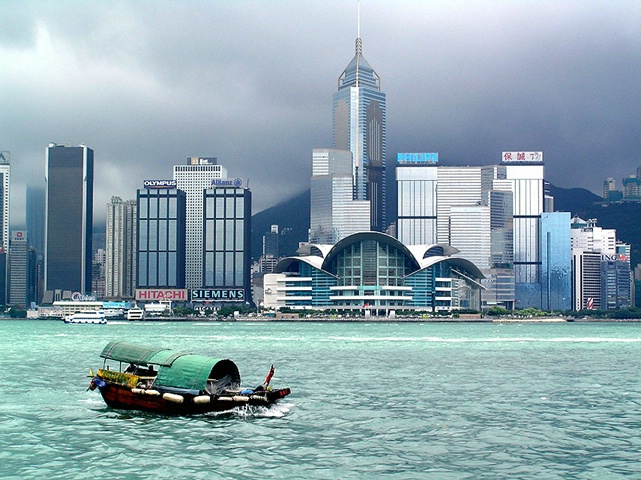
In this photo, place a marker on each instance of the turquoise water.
(442, 401)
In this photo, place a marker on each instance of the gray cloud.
(147, 84)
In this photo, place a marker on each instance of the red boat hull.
(122, 397)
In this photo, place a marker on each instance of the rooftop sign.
(224, 182)
(429, 158)
(159, 183)
(522, 157)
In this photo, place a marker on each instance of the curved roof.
(306, 249)
(359, 237)
(283, 265)
(467, 265)
(422, 256)
(422, 251)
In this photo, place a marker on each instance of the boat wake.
(277, 410)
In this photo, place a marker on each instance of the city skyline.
(469, 82)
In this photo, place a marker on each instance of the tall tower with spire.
(359, 126)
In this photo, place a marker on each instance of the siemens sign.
(159, 183)
(218, 295)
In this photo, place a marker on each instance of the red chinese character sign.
(522, 157)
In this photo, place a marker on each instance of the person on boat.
(131, 368)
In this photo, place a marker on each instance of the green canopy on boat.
(176, 369)
(193, 371)
(139, 354)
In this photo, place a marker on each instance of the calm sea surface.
(379, 400)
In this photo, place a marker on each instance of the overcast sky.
(146, 84)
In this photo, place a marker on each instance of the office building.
(524, 171)
(334, 214)
(160, 235)
(416, 180)
(120, 246)
(21, 270)
(616, 279)
(69, 218)
(499, 281)
(227, 240)
(98, 277)
(35, 218)
(358, 121)
(587, 236)
(556, 261)
(270, 252)
(5, 197)
(586, 279)
(457, 187)
(193, 178)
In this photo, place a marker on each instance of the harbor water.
(369, 400)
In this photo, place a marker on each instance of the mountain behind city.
(292, 218)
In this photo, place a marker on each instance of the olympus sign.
(159, 183)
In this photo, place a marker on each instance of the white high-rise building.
(193, 179)
(416, 180)
(524, 170)
(457, 187)
(334, 214)
(120, 246)
(593, 238)
(5, 177)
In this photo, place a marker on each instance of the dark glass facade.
(69, 218)
(161, 221)
(227, 238)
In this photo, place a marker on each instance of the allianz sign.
(218, 295)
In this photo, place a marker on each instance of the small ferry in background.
(135, 313)
(88, 317)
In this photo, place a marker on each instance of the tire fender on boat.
(152, 392)
(139, 391)
(172, 397)
(240, 398)
(202, 399)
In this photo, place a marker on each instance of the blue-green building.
(373, 270)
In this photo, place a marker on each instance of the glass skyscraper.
(556, 261)
(161, 238)
(227, 238)
(359, 126)
(416, 177)
(524, 170)
(69, 218)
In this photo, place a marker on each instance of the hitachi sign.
(174, 294)
(159, 183)
(218, 295)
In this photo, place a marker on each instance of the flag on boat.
(269, 376)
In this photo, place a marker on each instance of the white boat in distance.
(135, 313)
(87, 316)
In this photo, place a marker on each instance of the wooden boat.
(173, 382)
